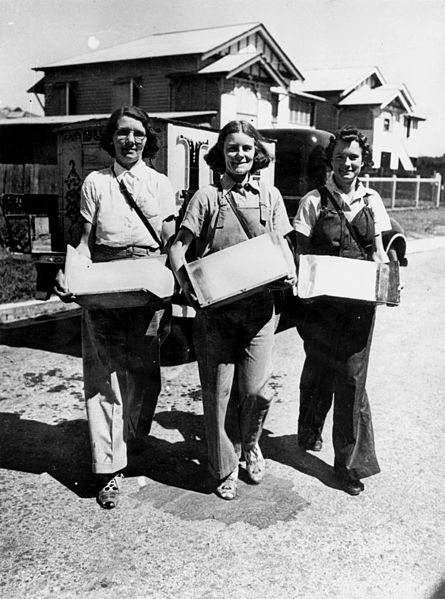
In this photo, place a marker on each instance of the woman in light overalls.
(234, 342)
(342, 218)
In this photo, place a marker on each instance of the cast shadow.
(54, 333)
(180, 464)
(285, 450)
(439, 591)
(63, 451)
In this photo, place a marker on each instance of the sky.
(404, 38)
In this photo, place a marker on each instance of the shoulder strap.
(323, 196)
(127, 195)
(341, 214)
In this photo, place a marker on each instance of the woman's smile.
(239, 152)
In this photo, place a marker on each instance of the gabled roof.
(207, 42)
(194, 41)
(258, 28)
(344, 79)
(381, 96)
(232, 64)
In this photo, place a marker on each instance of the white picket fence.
(402, 193)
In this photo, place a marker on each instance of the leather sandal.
(255, 463)
(227, 487)
(108, 496)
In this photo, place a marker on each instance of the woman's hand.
(190, 295)
(62, 290)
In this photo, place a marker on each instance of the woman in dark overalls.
(343, 219)
(233, 343)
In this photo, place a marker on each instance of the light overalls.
(122, 377)
(337, 339)
(234, 346)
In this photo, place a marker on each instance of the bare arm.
(177, 259)
(168, 230)
(84, 248)
(379, 254)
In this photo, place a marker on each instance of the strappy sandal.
(108, 496)
(227, 487)
(255, 464)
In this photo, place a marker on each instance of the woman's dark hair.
(349, 134)
(215, 156)
(106, 141)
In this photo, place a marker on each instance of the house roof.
(344, 79)
(381, 96)
(80, 118)
(235, 63)
(194, 41)
(208, 42)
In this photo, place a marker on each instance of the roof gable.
(381, 96)
(344, 80)
(210, 43)
(239, 64)
(257, 40)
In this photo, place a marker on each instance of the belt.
(104, 252)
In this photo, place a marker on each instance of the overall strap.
(323, 197)
(343, 218)
(127, 195)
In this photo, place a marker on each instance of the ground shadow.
(285, 450)
(439, 591)
(57, 333)
(61, 333)
(63, 451)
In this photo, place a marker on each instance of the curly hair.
(106, 142)
(215, 156)
(349, 134)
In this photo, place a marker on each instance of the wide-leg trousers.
(337, 341)
(122, 380)
(234, 350)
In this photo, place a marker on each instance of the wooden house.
(360, 96)
(213, 75)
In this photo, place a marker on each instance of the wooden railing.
(409, 192)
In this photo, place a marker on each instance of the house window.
(386, 124)
(65, 98)
(385, 160)
(407, 122)
(274, 102)
(126, 92)
(300, 112)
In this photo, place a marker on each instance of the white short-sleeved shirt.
(117, 224)
(204, 204)
(310, 206)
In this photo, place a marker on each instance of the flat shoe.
(255, 463)
(315, 446)
(352, 486)
(227, 487)
(108, 496)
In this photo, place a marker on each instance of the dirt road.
(296, 535)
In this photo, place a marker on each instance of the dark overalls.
(337, 340)
(234, 346)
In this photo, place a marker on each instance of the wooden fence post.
(438, 188)
(417, 191)
(393, 195)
